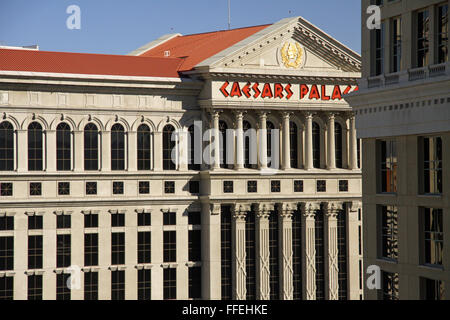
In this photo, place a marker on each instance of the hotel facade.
(403, 118)
(90, 195)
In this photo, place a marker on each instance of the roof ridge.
(226, 30)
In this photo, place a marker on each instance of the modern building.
(90, 194)
(403, 117)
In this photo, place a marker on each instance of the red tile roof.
(83, 63)
(199, 47)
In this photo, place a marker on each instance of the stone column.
(286, 141)
(50, 150)
(331, 161)
(262, 132)
(211, 254)
(308, 210)
(132, 150)
(353, 210)
(22, 150)
(308, 141)
(216, 140)
(262, 251)
(331, 247)
(286, 211)
(239, 254)
(353, 145)
(157, 151)
(105, 147)
(239, 140)
(183, 149)
(78, 150)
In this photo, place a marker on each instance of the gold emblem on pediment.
(292, 55)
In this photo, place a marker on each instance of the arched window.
(338, 144)
(246, 126)
(168, 146)
(191, 164)
(293, 140)
(117, 147)
(90, 147)
(223, 144)
(63, 146)
(143, 147)
(269, 127)
(316, 144)
(35, 160)
(6, 146)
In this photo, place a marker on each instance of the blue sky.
(119, 26)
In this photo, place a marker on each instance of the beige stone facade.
(402, 116)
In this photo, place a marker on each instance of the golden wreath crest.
(292, 55)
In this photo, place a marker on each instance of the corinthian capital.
(332, 209)
(309, 209)
(263, 210)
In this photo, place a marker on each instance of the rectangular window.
(63, 248)
(388, 166)
(117, 248)
(91, 286)
(35, 287)
(169, 218)
(433, 235)
(390, 286)
(274, 268)
(195, 245)
(35, 222)
(63, 221)
(228, 187)
(321, 186)
(118, 285)
(144, 187)
(194, 218)
(35, 189)
(170, 246)
(252, 186)
(6, 189)
(431, 165)
(396, 26)
(91, 249)
(195, 283)
(144, 247)
(118, 220)
(250, 255)
(225, 250)
(377, 38)
(297, 255)
(432, 289)
(6, 253)
(91, 188)
(117, 187)
(62, 290)
(423, 38)
(343, 185)
(144, 284)
(169, 187)
(6, 223)
(342, 254)
(442, 33)
(91, 220)
(35, 252)
(170, 284)
(6, 288)
(298, 185)
(389, 232)
(275, 186)
(63, 188)
(320, 255)
(194, 187)
(144, 219)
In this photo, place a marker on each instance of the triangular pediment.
(292, 45)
